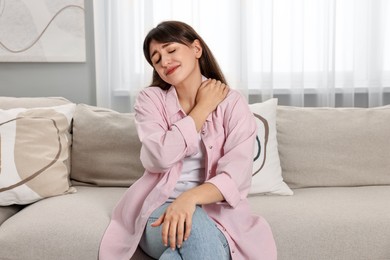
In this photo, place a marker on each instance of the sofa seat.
(315, 223)
(8, 211)
(348, 223)
(42, 230)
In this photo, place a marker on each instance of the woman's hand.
(176, 222)
(210, 93)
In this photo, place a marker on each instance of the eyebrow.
(163, 46)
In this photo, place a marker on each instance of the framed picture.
(42, 31)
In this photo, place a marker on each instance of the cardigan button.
(203, 132)
(210, 147)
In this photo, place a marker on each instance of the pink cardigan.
(167, 136)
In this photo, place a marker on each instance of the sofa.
(327, 198)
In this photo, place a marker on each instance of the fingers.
(204, 83)
(188, 225)
(165, 232)
(210, 94)
(174, 230)
(218, 88)
(214, 83)
(172, 234)
(159, 221)
(180, 232)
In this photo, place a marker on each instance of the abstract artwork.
(42, 31)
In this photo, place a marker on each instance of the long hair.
(175, 31)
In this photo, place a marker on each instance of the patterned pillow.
(267, 172)
(35, 146)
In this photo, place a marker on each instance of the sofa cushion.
(105, 148)
(62, 228)
(31, 102)
(34, 153)
(334, 146)
(267, 173)
(329, 222)
(8, 211)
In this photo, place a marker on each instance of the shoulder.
(233, 99)
(151, 94)
(235, 106)
(235, 94)
(152, 91)
(234, 111)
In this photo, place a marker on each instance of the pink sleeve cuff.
(227, 187)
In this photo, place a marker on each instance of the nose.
(165, 60)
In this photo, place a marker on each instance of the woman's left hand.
(176, 222)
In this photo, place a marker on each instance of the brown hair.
(175, 31)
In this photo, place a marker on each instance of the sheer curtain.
(305, 52)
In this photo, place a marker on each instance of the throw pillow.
(267, 172)
(34, 153)
(334, 147)
(106, 154)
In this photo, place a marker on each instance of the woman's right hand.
(176, 222)
(210, 93)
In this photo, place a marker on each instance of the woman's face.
(175, 62)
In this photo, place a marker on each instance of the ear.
(197, 47)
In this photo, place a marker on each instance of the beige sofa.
(335, 160)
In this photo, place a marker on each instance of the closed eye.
(158, 60)
(170, 51)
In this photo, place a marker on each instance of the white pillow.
(267, 172)
(34, 153)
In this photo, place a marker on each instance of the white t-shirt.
(192, 173)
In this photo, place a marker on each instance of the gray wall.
(74, 81)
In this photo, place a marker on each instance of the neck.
(187, 91)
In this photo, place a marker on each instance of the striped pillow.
(34, 154)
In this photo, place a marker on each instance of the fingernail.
(178, 246)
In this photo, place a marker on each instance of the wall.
(74, 81)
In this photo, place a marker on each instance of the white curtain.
(305, 52)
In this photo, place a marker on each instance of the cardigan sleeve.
(163, 143)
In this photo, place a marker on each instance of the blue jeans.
(205, 242)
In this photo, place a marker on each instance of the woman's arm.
(165, 143)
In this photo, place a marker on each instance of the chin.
(174, 81)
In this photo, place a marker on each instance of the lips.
(171, 70)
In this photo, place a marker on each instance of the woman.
(197, 140)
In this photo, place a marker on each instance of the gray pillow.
(334, 146)
(105, 148)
